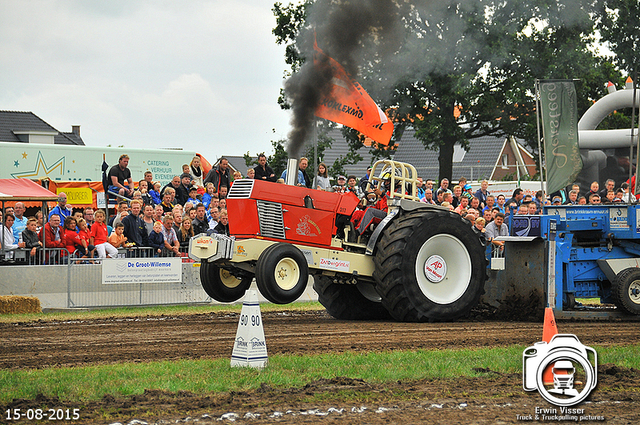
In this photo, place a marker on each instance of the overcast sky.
(202, 75)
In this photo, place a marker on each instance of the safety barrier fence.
(136, 276)
(58, 256)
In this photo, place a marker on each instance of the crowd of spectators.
(159, 221)
(489, 214)
(149, 220)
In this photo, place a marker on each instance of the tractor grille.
(271, 220)
(241, 189)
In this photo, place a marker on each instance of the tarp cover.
(24, 190)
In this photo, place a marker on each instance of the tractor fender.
(378, 231)
(397, 206)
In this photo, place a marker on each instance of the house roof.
(477, 163)
(13, 123)
(340, 148)
(236, 163)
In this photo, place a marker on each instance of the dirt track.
(77, 343)
(44, 344)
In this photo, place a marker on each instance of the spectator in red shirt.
(71, 238)
(99, 237)
(52, 235)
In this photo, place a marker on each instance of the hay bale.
(13, 304)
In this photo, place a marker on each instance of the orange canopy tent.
(24, 190)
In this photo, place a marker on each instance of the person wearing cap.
(376, 213)
(594, 198)
(341, 187)
(557, 200)
(193, 196)
(182, 191)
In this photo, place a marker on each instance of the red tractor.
(419, 263)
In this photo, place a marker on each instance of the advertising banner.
(559, 113)
(141, 270)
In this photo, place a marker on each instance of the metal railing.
(91, 286)
(24, 257)
(61, 256)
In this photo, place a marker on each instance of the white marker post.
(250, 347)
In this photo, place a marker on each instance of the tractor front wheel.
(282, 273)
(221, 285)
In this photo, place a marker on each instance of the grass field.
(211, 376)
(206, 376)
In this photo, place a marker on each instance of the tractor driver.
(374, 214)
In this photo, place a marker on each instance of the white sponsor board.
(506, 188)
(308, 255)
(141, 270)
(618, 218)
(250, 347)
(337, 265)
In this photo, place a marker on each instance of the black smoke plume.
(344, 30)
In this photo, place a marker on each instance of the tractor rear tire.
(221, 285)
(430, 266)
(626, 290)
(350, 302)
(282, 273)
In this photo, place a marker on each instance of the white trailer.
(84, 163)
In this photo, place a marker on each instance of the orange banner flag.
(350, 105)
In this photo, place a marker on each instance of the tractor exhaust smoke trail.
(342, 29)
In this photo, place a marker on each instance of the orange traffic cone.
(548, 331)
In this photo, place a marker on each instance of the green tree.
(278, 161)
(617, 21)
(462, 70)
(324, 142)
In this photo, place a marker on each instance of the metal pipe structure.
(537, 91)
(292, 172)
(590, 138)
